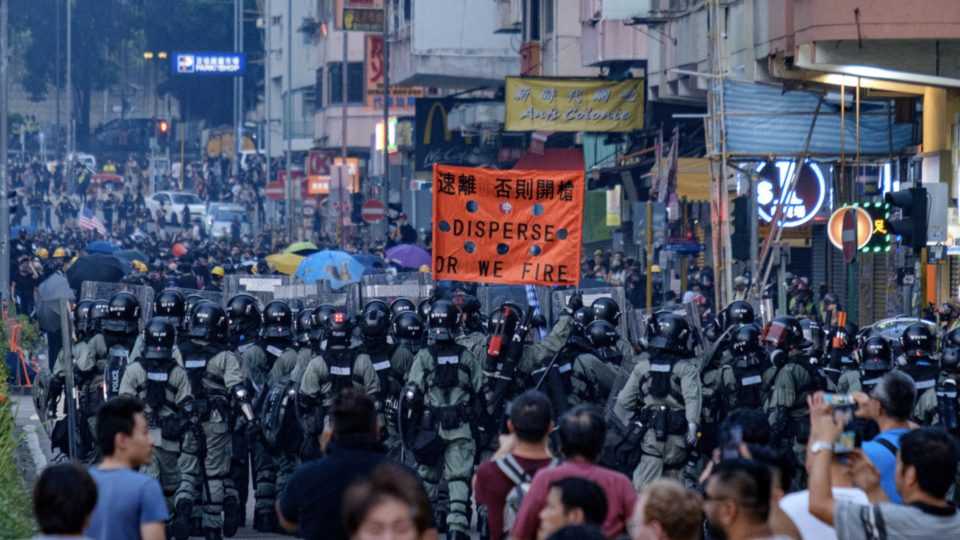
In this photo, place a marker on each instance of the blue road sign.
(209, 63)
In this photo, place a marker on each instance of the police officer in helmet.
(450, 380)
(663, 397)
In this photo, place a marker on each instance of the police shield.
(96, 290)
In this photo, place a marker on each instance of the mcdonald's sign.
(436, 144)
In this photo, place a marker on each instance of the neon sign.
(803, 203)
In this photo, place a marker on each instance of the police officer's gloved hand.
(691, 436)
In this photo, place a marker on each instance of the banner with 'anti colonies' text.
(507, 226)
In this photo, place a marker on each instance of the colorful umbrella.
(409, 256)
(371, 263)
(337, 267)
(302, 248)
(285, 263)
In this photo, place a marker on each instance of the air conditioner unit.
(509, 16)
(627, 9)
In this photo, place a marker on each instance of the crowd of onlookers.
(895, 486)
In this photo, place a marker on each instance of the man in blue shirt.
(889, 405)
(130, 505)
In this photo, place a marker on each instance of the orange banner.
(517, 227)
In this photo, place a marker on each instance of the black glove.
(574, 303)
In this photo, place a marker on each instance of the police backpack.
(281, 431)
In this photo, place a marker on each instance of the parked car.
(110, 183)
(223, 218)
(173, 203)
(211, 212)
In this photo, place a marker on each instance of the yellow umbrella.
(285, 263)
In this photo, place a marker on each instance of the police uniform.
(163, 388)
(256, 368)
(212, 370)
(451, 380)
(89, 375)
(786, 409)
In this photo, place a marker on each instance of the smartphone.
(731, 438)
(843, 407)
(846, 443)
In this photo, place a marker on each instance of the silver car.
(222, 218)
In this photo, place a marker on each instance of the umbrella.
(133, 255)
(302, 248)
(178, 250)
(371, 263)
(409, 255)
(51, 291)
(97, 267)
(338, 267)
(285, 263)
(15, 231)
(101, 246)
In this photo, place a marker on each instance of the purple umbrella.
(409, 255)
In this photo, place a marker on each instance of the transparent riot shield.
(414, 286)
(98, 290)
(561, 297)
(216, 297)
(260, 287)
(493, 296)
(311, 294)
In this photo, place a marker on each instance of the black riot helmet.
(170, 304)
(673, 334)
(400, 305)
(813, 333)
(606, 309)
(375, 325)
(208, 322)
(243, 315)
(443, 321)
(408, 326)
(339, 329)
(82, 316)
(601, 334)
(876, 355)
(321, 320)
(423, 309)
(376, 305)
(469, 307)
(296, 305)
(737, 313)
(784, 333)
(304, 325)
(581, 318)
(123, 314)
(98, 314)
(947, 313)
(158, 339)
(277, 320)
(191, 302)
(504, 320)
(917, 340)
(950, 354)
(746, 340)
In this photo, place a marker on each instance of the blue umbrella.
(100, 246)
(337, 267)
(371, 263)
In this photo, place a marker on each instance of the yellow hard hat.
(139, 266)
(59, 253)
(218, 271)
(43, 253)
(655, 268)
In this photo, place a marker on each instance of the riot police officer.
(876, 359)
(217, 384)
(303, 337)
(662, 398)
(842, 343)
(796, 377)
(472, 336)
(450, 381)
(948, 316)
(277, 336)
(161, 384)
(169, 305)
(407, 329)
(918, 347)
(83, 331)
(749, 364)
(100, 365)
(337, 366)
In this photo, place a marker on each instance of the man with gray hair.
(889, 405)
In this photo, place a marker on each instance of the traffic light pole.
(923, 282)
(4, 178)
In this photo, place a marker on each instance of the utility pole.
(68, 170)
(237, 89)
(343, 137)
(4, 178)
(56, 137)
(288, 121)
(266, 92)
(386, 95)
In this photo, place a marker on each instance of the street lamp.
(159, 55)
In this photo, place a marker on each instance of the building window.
(318, 91)
(548, 16)
(309, 101)
(531, 15)
(407, 9)
(354, 82)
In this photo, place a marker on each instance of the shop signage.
(209, 63)
(802, 203)
(594, 105)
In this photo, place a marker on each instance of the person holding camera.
(925, 454)
(890, 405)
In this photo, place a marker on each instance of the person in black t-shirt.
(24, 284)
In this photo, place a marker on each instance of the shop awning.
(552, 159)
(762, 120)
